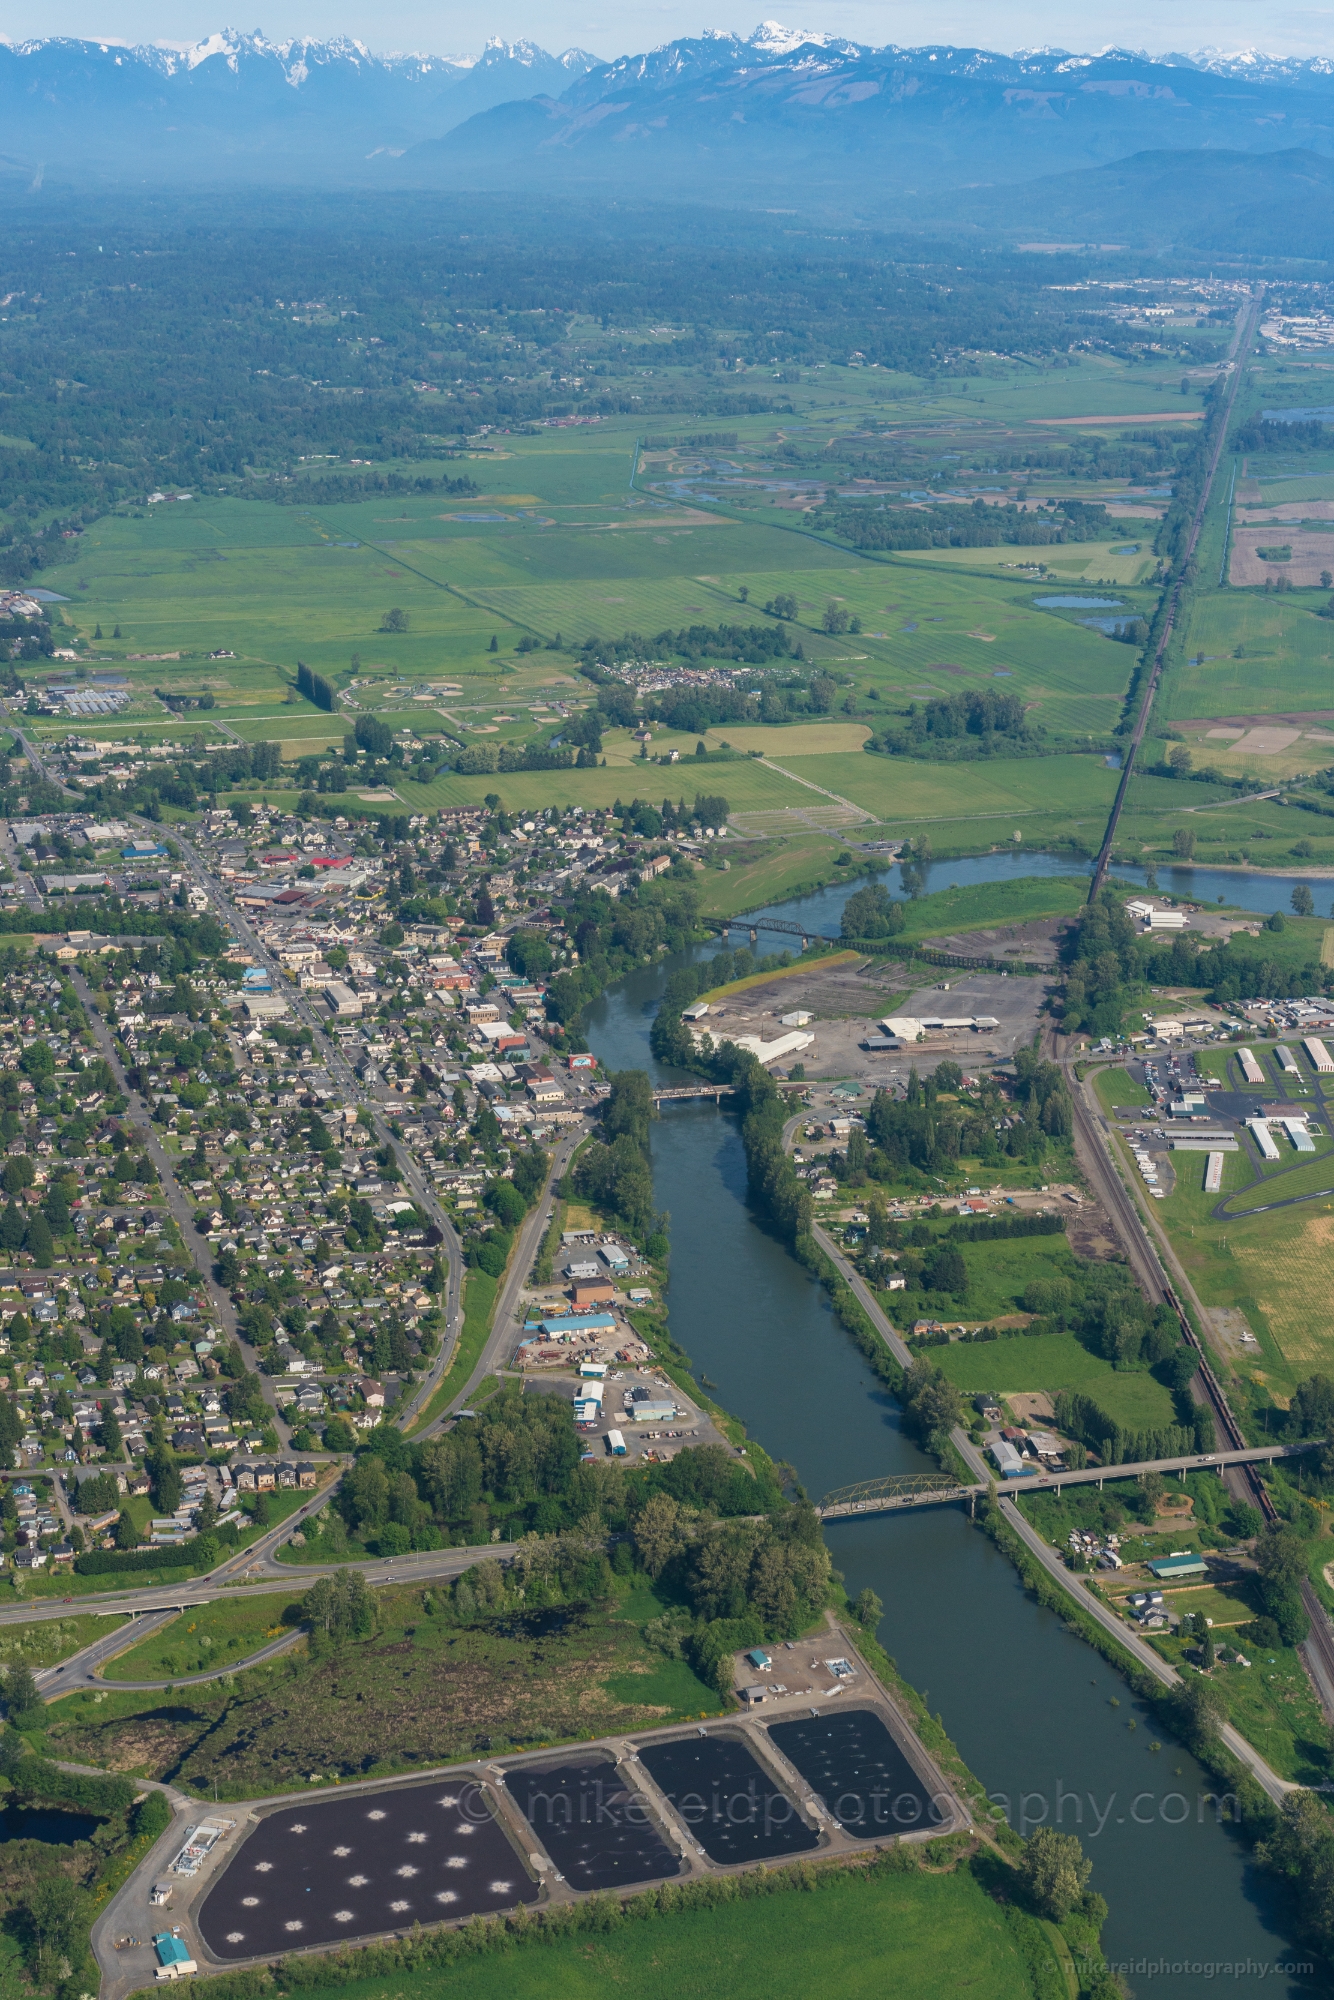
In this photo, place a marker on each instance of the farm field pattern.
(559, 543)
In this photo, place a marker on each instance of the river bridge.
(754, 925)
(904, 1490)
(675, 1093)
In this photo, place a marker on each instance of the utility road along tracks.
(1244, 336)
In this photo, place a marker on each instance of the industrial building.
(1259, 1131)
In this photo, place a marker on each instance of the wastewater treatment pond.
(858, 1773)
(311, 1874)
(730, 1804)
(596, 1829)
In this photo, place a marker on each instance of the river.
(1050, 1729)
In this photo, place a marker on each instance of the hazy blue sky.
(611, 27)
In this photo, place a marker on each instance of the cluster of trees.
(1079, 1416)
(945, 525)
(519, 1466)
(1101, 960)
(334, 489)
(980, 723)
(315, 687)
(614, 935)
(870, 914)
(479, 760)
(743, 1581)
(1105, 964)
(1173, 536)
(1132, 455)
(614, 1173)
(1264, 434)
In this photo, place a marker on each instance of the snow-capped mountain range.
(793, 114)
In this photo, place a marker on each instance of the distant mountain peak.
(776, 40)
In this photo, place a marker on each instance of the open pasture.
(1245, 653)
(912, 1931)
(269, 601)
(1125, 559)
(1026, 1364)
(898, 789)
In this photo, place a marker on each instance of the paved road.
(871, 1306)
(501, 1340)
(428, 1566)
(1139, 1649)
(79, 1669)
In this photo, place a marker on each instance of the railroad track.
(1244, 334)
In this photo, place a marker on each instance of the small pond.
(1081, 603)
(61, 1829)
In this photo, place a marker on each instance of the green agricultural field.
(1284, 664)
(1023, 1364)
(767, 872)
(918, 1934)
(210, 1635)
(747, 785)
(1275, 1270)
(198, 584)
(904, 790)
(1125, 559)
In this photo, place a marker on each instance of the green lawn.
(210, 1635)
(1117, 1086)
(993, 905)
(1019, 1363)
(48, 1640)
(1271, 1702)
(914, 1935)
(479, 1300)
(999, 1272)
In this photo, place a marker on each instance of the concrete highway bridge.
(901, 1491)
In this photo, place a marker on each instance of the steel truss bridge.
(754, 925)
(900, 1489)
